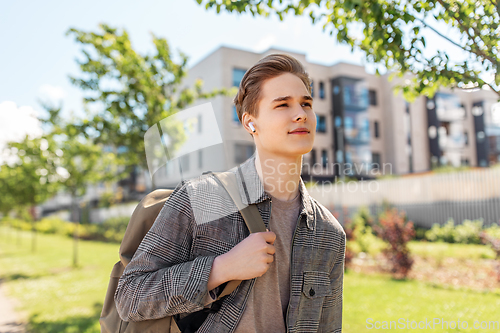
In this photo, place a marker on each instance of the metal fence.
(426, 199)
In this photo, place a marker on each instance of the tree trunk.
(33, 228)
(75, 219)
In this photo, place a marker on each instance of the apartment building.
(363, 127)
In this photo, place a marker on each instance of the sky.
(36, 55)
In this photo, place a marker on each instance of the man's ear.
(248, 123)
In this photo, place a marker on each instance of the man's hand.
(248, 259)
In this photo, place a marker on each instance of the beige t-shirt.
(266, 307)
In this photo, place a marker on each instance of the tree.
(393, 35)
(80, 160)
(129, 92)
(31, 175)
(7, 200)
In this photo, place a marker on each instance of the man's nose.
(300, 114)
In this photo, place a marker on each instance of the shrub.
(420, 233)
(441, 233)
(493, 231)
(111, 230)
(18, 223)
(51, 225)
(397, 232)
(466, 233)
(363, 235)
(494, 242)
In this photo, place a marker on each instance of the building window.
(320, 124)
(480, 136)
(375, 129)
(355, 95)
(313, 157)
(199, 123)
(237, 76)
(338, 121)
(356, 127)
(466, 137)
(376, 160)
(312, 88)
(243, 152)
(200, 158)
(321, 90)
(324, 158)
(372, 97)
(236, 120)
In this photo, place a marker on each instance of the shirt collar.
(252, 190)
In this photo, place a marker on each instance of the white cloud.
(264, 43)
(16, 122)
(51, 93)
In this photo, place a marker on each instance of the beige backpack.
(140, 222)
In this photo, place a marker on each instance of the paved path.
(10, 321)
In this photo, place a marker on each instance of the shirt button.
(311, 292)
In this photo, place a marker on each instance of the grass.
(384, 299)
(62, 299)
(436, 250)
(55, 296)
(439, 250)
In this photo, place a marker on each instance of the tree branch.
(493, 89)
(441, 35)
(466, 30)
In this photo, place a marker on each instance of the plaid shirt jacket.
(169, 272)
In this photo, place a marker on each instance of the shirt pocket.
(316, 284)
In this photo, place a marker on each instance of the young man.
(292, 275)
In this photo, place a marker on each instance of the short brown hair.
(268, 67)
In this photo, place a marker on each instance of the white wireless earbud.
(251, 127)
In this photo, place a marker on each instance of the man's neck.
(280, 175)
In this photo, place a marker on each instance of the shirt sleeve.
(214, 293)
(160, 280)
(211, 296)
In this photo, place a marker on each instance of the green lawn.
(461, 251)
(436, 250)
(383, 299)
(59, 298)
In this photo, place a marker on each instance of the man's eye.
(282, 105)
(308, 104)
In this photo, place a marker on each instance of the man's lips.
(301, 130)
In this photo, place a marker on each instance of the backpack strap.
(250, 214)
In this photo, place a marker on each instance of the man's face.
(284, 108)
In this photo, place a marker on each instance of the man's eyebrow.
(286, 98)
